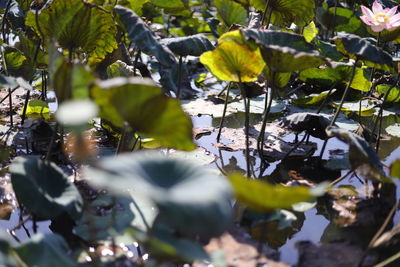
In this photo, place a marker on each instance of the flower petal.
(394, 18)
(377, 28)
(368, 13)
(366, 20)
(391, 11)
(377, 8)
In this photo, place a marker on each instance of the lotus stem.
(246, 123)
(265, 13)
(267, 109)
(221, 124)
(326, 99)
(10, 107)
(3, 22)
(380, 115)
(28, 95)
(52, 141)
(346, 91)
(295, 146)
(178, 91)
(334, 19)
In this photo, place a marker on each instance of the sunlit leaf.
(233, 57)
(17, 64)
(394, 94)
(77, 26)
(262, 196)
(364, 107)
(44, 189)
(310, 31)
(37, 107)
(120, 69)
(143, 105)
(312, 99)
(395, 169)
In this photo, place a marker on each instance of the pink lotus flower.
(380, 18)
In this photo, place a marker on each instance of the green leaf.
(120, 69)
(233, 57)
(230, 12)
(189, 197)
(262, 196)
(37, 107)
(44, 189)
(143, 105)
(194, 45)
(394, 94)
(277, 79)
(310, 31)
(46, 250)
(362, 156)
(69, 80)
(312, 99)
(339, 75)
(283, 51)
(286, 12)
(17, 64)
(360, 49)
(364, 107)
(395, 169)
(173, 7)
(77, 26)
(28, 47)
(345, 20)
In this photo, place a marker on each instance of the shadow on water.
(321, 224)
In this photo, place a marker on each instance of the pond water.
(315, 226)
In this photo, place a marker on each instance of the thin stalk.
(296, 146)
(326, 99)
(221, 124)
(8, 94)
(378, 137)
(122, 141)
(334, 18)
(3, 22)
(389, 260)
(321, 154)
(338, 180)
(10, 107)
(373, 69)
(267, 108)
(28, 95)
(346, 91)
(265, 13)
(246, 123)
(384, 225)
(178, 91)
(52, 141)
(138, 55)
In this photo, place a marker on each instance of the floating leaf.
(46, 250)
(312, 99)
(313, 124)
(77, 26)
(194, 45)
(174, 187)
(44, 189)
(362, 156)
(143, 105)
(262, 196)
(230, 12)
(233, 57)
(364, 107)
(283, 51)
(360, 49)
(394, 129)
(395, 169)
(285, 12)
(257, 105)
(36, 107)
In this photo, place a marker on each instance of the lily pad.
(44, 189)
(257, 105)
(367, 107)
(36, 107)
(194, 45)
(313, 124)
(394, 129)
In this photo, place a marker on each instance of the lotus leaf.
(44, 189)
(77, 26)
(173, 185)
